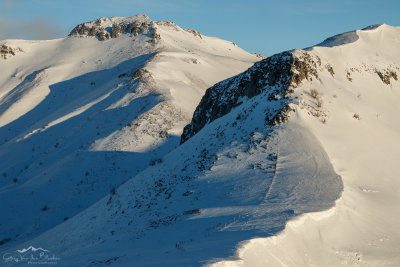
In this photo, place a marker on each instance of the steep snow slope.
(237, 179)
(358, 126)
(81, 115)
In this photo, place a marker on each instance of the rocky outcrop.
(194, 32)
(277, 75)
(386, 74)
(7, 51)
(108, 28)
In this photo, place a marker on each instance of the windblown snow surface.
(294, 165)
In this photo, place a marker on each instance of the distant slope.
(79, 116)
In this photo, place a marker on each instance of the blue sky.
(260, 26)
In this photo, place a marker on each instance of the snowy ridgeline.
(278, 141)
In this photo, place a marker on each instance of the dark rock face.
(303, 67)
(277, 75)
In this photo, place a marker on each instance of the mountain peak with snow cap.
(107, 28)
(280, 74)
(113, 27)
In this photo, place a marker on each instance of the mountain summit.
(106, 28)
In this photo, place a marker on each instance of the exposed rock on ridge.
(7, 51)
(107, 28)
(277, 75)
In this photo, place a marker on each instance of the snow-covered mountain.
(290, 163)
(348, 99)
(81, 115)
